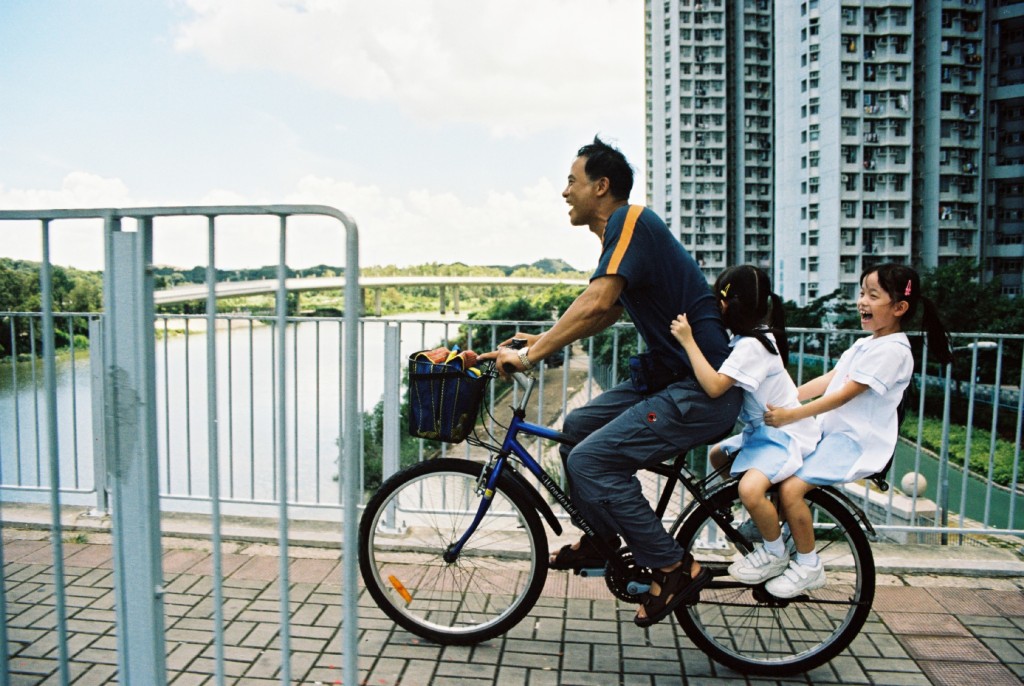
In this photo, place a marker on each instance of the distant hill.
(550, 265)
(167, 276)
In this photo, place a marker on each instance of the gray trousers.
(620, 432)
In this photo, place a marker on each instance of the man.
(646, 271)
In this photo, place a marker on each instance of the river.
(246, 393)
(247, 416)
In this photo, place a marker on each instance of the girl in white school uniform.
(856, 409)
(757, 364)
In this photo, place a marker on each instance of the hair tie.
(906, 291)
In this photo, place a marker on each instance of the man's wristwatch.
(524, 359)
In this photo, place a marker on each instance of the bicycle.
(455, 551)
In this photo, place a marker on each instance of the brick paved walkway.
(924, 629)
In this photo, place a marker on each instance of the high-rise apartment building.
(709, 127)
(845, 84)
(1002, 248)
(844, 134)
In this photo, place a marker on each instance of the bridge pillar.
(441, 305)
(376, 301)
(362, 301)
(456, 298)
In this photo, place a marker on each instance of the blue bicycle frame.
(511, 446)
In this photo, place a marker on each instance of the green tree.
(966, 304)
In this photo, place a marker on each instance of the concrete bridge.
(374, 284)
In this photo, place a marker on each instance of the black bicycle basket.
(444, 399)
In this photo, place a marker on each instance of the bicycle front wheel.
(745, 627)
(415, 518)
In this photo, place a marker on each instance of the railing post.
(99, 446)
(392, 403)
(130, 431)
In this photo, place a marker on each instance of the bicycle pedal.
(637, 587)
(590, 571)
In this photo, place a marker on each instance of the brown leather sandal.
(677, 587)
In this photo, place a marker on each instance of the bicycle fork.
(490, 473)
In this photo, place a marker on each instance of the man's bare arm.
(593, 311)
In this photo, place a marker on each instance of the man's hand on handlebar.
(506, 357)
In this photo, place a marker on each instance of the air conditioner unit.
(845, 178)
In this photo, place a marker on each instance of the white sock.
(776, 547)
(807, 559)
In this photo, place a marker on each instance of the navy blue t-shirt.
(662, 281)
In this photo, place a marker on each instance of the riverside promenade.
(941, 616)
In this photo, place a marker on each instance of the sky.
(444, 129)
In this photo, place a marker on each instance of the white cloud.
(416, 227)
(78, 189)
(513, 68)
(422, 226)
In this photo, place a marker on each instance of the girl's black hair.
(903, 284)
(751, 306)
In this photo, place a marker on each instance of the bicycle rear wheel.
(415, 518)
(745, 628)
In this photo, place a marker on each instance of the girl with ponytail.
(757, 364)
(857, 408)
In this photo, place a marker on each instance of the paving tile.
(229, 562)
(923, 623)
(92, 556)
(304, 570)
(963, 601)
(44, 554)
(945, 648)
(905, 599)
(1008, 603)
(180, 561)
(16, 551)
(97, 675)
(259, 568)
(960, 674)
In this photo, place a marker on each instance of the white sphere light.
(907, 483)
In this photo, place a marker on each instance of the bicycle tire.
(413, 519)
(745, 628)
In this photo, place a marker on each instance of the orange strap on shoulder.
(627, 235)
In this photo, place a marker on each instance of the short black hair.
(606, 161)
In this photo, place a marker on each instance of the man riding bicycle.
(662, 411)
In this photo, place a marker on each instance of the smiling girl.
(856, 409)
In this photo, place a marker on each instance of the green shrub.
(981, 447)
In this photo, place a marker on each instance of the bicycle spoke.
(750, 630)
(415, 520)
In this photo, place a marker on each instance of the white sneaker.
(796, 579)
(757, 566)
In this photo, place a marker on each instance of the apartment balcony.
(886, 248)
(1006, 251)
(887, 27)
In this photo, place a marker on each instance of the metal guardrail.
(248, 436)
(125, 459)
(248, 420)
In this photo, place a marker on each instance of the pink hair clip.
(906, 292)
